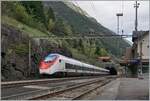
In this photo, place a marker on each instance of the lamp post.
(118, 15)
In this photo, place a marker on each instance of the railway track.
(74, 92)
(40, 81)
(67, 91)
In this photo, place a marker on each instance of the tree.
(88, 48)
(67, 29)
(97, 51)
(50, 18)
(92, 49)
(103, 52)
(36, 9)
(51, 25)
(50, 14)
(20, 13)
(62, 28)
(7, 7)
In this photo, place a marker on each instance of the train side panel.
(71, 66)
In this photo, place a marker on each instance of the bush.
(20, 13)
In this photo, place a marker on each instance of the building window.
(147, 46)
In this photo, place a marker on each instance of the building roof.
(104, 58)
(139, 34)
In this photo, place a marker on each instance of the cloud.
(105, 13)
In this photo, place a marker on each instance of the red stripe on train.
(46, 65)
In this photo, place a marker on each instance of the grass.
(32, 32)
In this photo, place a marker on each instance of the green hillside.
(81, 24)
(51, 18)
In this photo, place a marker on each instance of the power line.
(85, 37)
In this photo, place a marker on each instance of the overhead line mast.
(136, 6)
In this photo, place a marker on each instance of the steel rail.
(90, 90)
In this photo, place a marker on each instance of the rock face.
(15, 54)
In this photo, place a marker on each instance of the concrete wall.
(145, 46)
(128, 54)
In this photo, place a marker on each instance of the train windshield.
(50, 58)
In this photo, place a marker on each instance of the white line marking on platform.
(36, 87)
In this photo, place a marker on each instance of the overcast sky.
(105, 13)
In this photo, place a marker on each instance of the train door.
(62, 65)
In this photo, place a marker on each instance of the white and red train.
(56, 64)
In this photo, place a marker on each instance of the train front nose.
(47, 62)
(44, 65)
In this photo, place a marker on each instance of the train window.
(69, 66)
(59, 60)
(76, 67)
(50, 58)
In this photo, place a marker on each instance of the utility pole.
(141, 57)
(136, 6)
(29, 57)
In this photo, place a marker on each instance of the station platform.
(125, 89)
